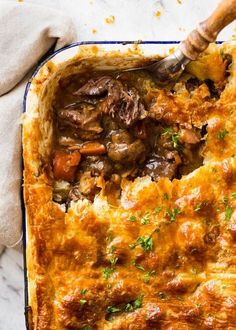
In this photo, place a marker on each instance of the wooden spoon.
(197, 41)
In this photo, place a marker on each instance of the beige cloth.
(27, 32)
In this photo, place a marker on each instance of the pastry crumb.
(157, 13)
(110, 19)
(171, 50)
(179, 1)
(94, 31)
(20, 0)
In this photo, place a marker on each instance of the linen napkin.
(27, 32)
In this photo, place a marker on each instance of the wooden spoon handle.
(207, 31)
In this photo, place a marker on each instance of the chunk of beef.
(85, 119)
(124, 149)
(95, 87)
(125, 104)
(97, 165)
(215, 92)
(121, 102)
(157, 167)
(81, 123)
(192, 83)
(86, 187)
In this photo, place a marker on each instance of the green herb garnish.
(109, 238)
(113, 260)
(175, 141)
(233, 194)
(112, 249)
(138, 302)
(167, 131)
(165, 196)
(222, 134)
(161, 295)
(83, 291)
(228, 212)
(157, 210)
(132, 218)
(148, 275)
(82, 301)
(172, 214)
(145, 219)
(140, 267)
(225, 200)
(198, 207)
(146, 242)
(130, 307)
(112, 309)
(107, 272)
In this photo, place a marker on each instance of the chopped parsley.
(228, 212)
(109, 238)
(167, 131)
(148, 275)
(233, 194)
(132, 218)
(157, 210)
(83, 291)
(198, 207)
(146, 242)
(222, 134)
(113, 260)
(175, 141)
(138, 302)
(165, 196)
(172, 214)
(225, 200)
(130, 307)
(132, 246)
(107, 272)
(161, 295)
(198, 305)
(86, 327)
(82, 301)
(112, 249)
(145, 219)
(140, 267)
(113, 309)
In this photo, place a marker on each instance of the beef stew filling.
(103, 134)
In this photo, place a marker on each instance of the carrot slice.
(65, 165)
(93, 148)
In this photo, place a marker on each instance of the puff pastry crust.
(99, 267)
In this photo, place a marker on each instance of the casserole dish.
(162, 254)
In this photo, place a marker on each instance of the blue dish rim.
(49, 57)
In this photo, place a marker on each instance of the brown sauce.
(103, 130)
